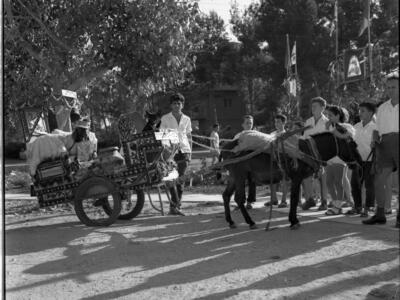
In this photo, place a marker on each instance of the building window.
(227, 103)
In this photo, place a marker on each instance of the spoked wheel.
(91, 196)
(131, 205)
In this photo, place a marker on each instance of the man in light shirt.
(176, 120)
(363, 138)
(386, 139)
(280, 122)
(318, 124)
(248, 124)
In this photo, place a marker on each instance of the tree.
(308, 22)
(87, 46)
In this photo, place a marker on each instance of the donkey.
(319, 148)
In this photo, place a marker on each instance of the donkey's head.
(331, 144)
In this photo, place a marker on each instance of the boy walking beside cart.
(176, 120)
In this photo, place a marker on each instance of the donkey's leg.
(294, 201)
(226, 196)
(240, 198)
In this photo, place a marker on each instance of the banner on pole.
(354, 65)
(366, 17)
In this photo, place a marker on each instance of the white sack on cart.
(44, 147)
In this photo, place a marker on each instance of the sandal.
(333, 212)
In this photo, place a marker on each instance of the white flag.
(292, 86)
(293, 56)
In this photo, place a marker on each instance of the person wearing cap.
(82, 143)
(386, 142)
(177, 121)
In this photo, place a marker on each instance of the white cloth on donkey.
(44, 147)
(255, 140)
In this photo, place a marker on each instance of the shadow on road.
(200, 254)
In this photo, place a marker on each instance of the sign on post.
(70, 94)
(354, 65)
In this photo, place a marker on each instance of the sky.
(222, 7)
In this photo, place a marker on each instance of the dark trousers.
(251, 196)
(356, 186)
(182, 160)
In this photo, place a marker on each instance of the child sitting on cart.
(82, 144)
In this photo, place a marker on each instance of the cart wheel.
(88, 205)
(131, 207)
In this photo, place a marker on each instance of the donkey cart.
(107, 188)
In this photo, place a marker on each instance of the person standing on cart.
(176, 120)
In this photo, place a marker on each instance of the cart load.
(100, 188)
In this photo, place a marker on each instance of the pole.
(337, 49)
(287, 56)
(297, 76)
(369, 43)
(288, 69)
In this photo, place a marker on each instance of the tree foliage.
(309, 22)
(111, 52)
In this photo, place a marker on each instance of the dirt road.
(53, 256)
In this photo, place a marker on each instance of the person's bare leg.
(324, 188)
(388, 193)
(346, 186)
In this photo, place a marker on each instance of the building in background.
(206, 106)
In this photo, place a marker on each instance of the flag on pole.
(293, 57)
(354, 65)
(366, 18)
(288, 59)
(292, 87)
(335, 19)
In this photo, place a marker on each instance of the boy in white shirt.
(248, 124)
(178, 121)
(363, 138)
(280, 122)
(386, 141)
(318, 124)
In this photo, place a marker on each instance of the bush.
(12, 149)
(18, 179)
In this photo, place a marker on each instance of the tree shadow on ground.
(201, 250)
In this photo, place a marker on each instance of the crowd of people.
(376, 136)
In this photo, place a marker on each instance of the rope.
(270, 187)
(210, 148)
(209, 138)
